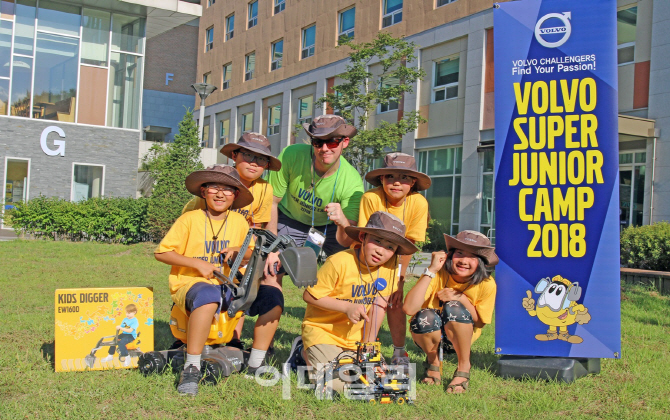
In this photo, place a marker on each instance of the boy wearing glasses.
(317, 190)
(252, 156)
(199, 243)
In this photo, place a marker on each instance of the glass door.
(17, 172)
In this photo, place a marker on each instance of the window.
(346, 24)
(487, 221)
(230, 26)
(87, 181)
(308, 41)
(17, 177)
(206, 77)
(445, 82)
(632, 171)
(305, 109)
(205, 141)
(253, 14)
(128, 33)
(444, 168)
(279, 5)
(626, 24)
(209, 39)
(224, 130)
(392, 12)
(248, 122)
(95, 37)
(227, 70)
(249, 66)
(55, 85)
(274, 120)
(123, 102)
(337, 111)
(392, 104)
(442, 3)
(210, 3)
(277, 53)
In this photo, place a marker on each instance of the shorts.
(267, 298)
(320, 355)
(201, 294)
(428, 320)
(298, 231)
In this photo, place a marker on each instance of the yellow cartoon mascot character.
(557, 307)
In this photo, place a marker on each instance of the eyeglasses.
(250, 158)
(226, 190)
(330, 143)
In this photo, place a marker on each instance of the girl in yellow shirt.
(454, 298)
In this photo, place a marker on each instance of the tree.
(358, 97)
(169, 165)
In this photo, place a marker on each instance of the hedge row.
(646, 247)
(108, 219)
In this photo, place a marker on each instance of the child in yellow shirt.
(338, 306)
(453, 299)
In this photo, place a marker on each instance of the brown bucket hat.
(387, 226)
(399, 163)
(329, 126)
(474, 242)
(222, 174)
(256, 143)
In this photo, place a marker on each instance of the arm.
(205, 268)
(417, 296)
(274, 215)
(354, 312)
(397, 296)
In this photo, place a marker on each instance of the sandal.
(431, 380)
(464, 384)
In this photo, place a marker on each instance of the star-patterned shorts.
(429, 320)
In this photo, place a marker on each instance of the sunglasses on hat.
(330, 143)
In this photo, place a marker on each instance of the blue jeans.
(122, 341)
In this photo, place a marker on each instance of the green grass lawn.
(30, 271)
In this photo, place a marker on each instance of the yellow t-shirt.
(413, 212)
(256, 212)
(191, 236)
(340, 278)
(482, 296)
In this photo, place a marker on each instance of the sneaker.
(188, 381)
(402, 361)
(127, 362)
(107, 359)
(251, 372)
(294, 357)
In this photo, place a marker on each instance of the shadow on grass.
(48, 353)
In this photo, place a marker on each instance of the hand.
(356, 312)
(335, 213)
(396, 297)
(272, 264)
(229, 254)
(205, 268)
(437, 261)
(583, 317)
(448, 294)
(528, 302)
(118, 327)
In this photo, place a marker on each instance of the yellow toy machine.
(219, 360)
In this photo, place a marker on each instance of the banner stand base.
(563, 369)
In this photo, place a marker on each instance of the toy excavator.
(376, 383)
(219, 360)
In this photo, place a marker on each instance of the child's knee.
(455, 312)
(425, 321)
(269, 300)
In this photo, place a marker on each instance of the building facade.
(71, 82)
(272, 59)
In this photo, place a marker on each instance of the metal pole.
(201, 120)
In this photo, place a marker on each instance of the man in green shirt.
(316, 187)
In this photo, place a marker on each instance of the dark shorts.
(268, 298)
(429, 320)
(298, 231)
(201, 294)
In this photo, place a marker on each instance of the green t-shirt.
(292, 182)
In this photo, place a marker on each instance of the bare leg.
(265, 329)
(460, 336)
(430, 344)
(237, 334)
(199, 323)
(397, 325)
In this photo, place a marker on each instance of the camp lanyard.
(404, 206)
(224, 226)
(337, 174)
(361, 283)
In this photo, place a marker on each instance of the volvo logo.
(549, 36)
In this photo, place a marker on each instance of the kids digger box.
(103, 328)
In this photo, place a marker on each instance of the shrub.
(646, 247)
(108, 219)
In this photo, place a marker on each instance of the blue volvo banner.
(556, 184)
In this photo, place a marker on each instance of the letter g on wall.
(59, 144)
